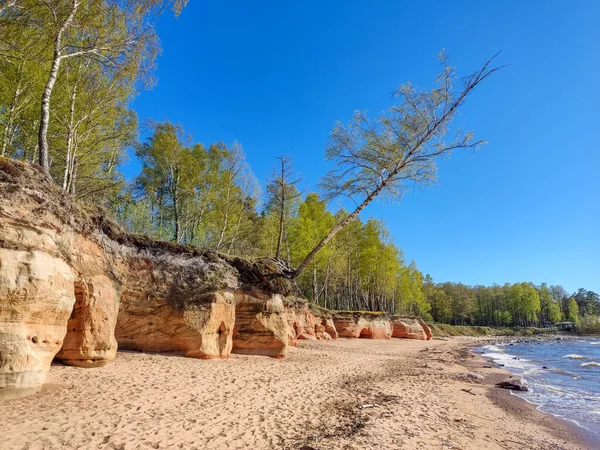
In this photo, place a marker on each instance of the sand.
(344, 394)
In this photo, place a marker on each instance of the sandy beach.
(344, 394)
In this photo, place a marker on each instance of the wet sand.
(344, 394)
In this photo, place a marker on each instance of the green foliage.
(588, 302)
(514, 305)
(80, 64)
(589, 325)
(189, 194)
(573, 310)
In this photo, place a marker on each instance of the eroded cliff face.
(370, 325)
(36, 292)
(363, 325)
(304, 325)
(75, 287)
(410, 328)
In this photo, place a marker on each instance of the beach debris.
(368, 405)
(475, 376)
(469, 391)
(514, 383)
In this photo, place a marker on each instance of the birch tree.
(92, 128)
(283, 194)
(167, 177)
(117, 34)
(397, 150)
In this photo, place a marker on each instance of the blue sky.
(276, 75)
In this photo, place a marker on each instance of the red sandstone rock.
(70, 283)
(410, 328)
(304, 325)
(426, 329)
(330, 327)
(363, 325)
(36, 299)
(90, 339)
(155, 324)
(261, 326)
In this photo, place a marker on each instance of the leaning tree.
(399, 148)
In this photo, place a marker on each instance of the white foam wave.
(493, 348)
(591, 364)
(554, 388)
(574, 356)
(512, 362)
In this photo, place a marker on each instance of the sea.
(563, 376)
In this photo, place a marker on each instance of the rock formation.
(426, 328)
(515, 383)
(363, 325)
(36, 300)
(307, 324)
(373, 325)
(261, 326)
(410, 328)
(74, 286)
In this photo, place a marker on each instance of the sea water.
(563, 376)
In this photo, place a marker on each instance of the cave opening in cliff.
(80, 291)
(365, 333)
(222, 338)
(73, 334)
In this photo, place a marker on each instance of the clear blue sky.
(276, 76)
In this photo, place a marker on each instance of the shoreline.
(325, 395)
(522, 409)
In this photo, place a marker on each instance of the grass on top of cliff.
(18, 178)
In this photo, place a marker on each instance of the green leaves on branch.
(386, 155)
(69, 70)
(194, 195)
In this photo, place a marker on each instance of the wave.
(563, 372)
(562, 384)
(493, 348)
(554, 388)
(591, 364)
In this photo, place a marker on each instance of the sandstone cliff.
(74, 286)
(368, 325)
(306, 323)
(376, 325)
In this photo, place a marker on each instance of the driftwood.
(368, 405)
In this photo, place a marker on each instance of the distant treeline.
(520, 304)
